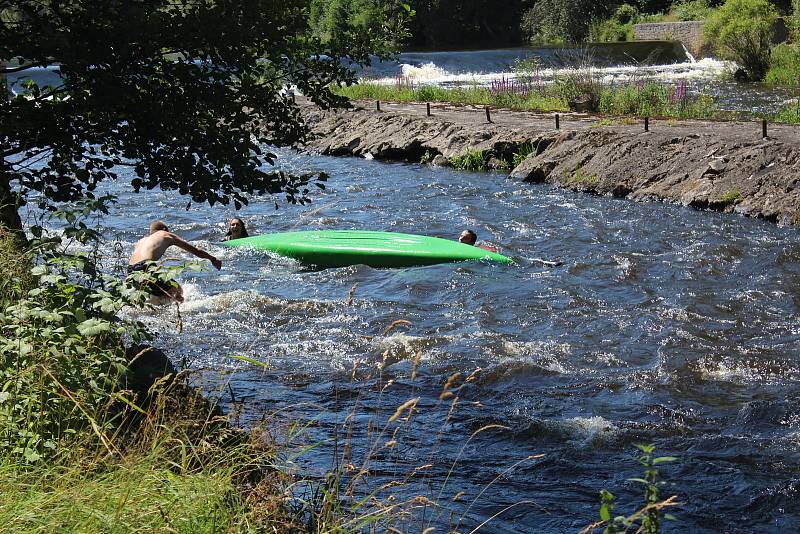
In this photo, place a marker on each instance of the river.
(664, 325)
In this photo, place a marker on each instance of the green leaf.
(662, 459)
(605, 513)
(639, 480)
(252, 361)
(93, 327)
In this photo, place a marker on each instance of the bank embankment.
(723, 166)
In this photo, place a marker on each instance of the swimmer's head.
(157, 226)
(468, 237)
(236, 229)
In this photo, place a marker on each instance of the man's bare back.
(153, 247)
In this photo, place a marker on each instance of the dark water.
(664, 325)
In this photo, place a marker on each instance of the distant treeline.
(445, 24)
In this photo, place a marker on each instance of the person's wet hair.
(236, 229)
(468, 237)
(156, 226)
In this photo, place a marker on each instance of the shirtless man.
(468, 237)
(152, 247)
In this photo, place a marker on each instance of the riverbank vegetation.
(640, 99)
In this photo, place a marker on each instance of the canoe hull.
(340, 248)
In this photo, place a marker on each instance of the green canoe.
(339, 248)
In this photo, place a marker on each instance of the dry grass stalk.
(395, 324)
(495, 479)
(417, 358)
(408, 405)
(351, 293)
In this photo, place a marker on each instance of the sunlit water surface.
(664, 325)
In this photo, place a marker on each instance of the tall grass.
(182, 472)
(457, 95)
(656, 100)
(637, 98)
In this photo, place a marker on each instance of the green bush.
(617, 28)
(62, 355)
(790, 114)
(742, 31)
(686, 10)
(785, 65)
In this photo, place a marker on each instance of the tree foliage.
(331, 19)
(436, 23)
(185, 92)
(742, 30)
(562, 20)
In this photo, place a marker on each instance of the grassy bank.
(459, 95)
(167, 481)
(639, 99)
(89, 443)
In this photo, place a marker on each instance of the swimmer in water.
(468, 237)
(236, 230)
(152, 247)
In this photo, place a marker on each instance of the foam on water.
(707, 69)
(425, 73)
(591, 429)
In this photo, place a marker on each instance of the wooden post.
(647, 124)
(428, 108)
(378, 105)
(558, 122)
(488, 117)
(763, 128)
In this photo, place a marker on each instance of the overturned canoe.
(339, 248)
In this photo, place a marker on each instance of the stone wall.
(690, 34)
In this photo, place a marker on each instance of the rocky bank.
(724, 166)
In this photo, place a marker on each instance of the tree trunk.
(9, 216)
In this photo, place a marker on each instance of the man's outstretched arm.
(188, 247)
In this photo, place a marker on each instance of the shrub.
(691, 10)
(617, 28)
(742, 30)
(784, 65)
(62, 353)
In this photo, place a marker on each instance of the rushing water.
(663, 325)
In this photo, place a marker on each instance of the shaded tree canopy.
(185, 92)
